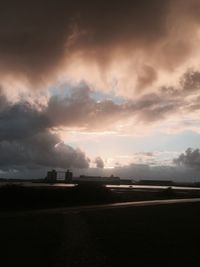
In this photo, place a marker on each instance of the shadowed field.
(21, 197)
(136, 236)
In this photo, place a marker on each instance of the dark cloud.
(26, 140)
(149, 172)
(37, 37)
(26, 137)
(190, 82)
(33, 34)
(153, 107)
(4, 103)
(99, 162)
(127, 21)
(42, 150)
(20, 121)
(190, 158)
(146, 77)
(81, 110)
(186, 94)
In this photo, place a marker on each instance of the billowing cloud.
(43, 150)
(137, 45)
(99, 162)
(35, 37)
(26, 140)
(80, 110)
(190, 158)
(21, 120)
(146, 52)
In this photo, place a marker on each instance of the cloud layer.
(26, 140)
(99, 162)
(190, 158)
(138, 45)
(146, 52)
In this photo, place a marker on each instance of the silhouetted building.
(68, 176)
(59, 176)
(51, 176)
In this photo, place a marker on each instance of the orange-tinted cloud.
(141, 44)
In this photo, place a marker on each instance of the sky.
(100, 87)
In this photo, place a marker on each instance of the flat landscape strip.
(77, 209)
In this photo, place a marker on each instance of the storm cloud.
(42, 150)
(190, 158)
(28, 135)
(40, 39)
(80, 109)
(99, 162)
(35, 36)
(26, 140)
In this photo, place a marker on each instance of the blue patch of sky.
(63, 90)
(66, 90)
(102, 96)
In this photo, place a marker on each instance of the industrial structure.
(54, 176)
(111, 180)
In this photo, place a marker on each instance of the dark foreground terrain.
(16, 197)
(161, 235)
